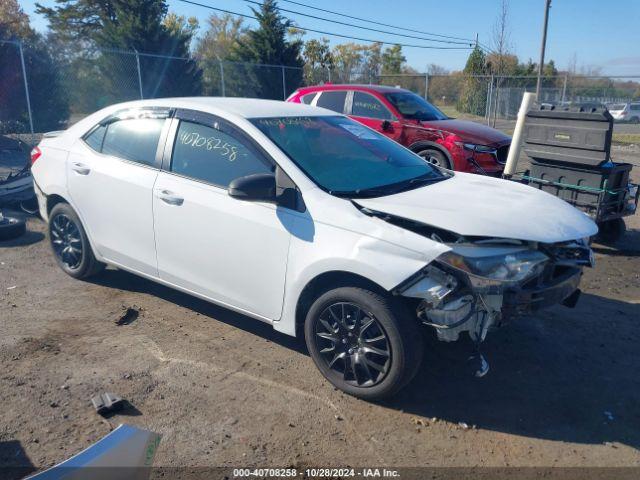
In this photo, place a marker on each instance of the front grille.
(502, 153)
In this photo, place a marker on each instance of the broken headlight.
(512, 267)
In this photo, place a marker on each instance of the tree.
(132, 25)
(317, 60)
(49, 105)
(269, 45)
(473, 97)
(347, 58)
(392, 60)
(216, 46)
(371, 62)
(222, 36)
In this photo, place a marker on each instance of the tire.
(345, 331)
(69, 243)
(611, 231)
(11, 227)
(435, 157)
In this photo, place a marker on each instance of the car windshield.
(414, 107)
(346, 158)
(617, 106)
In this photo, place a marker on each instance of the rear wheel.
(611, 231)
(362, 342)
(70, 244)
(435, 157)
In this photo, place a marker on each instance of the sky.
(593, 33)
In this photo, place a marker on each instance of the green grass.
(626, 138)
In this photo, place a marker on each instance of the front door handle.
(170, 198)
(80, 168)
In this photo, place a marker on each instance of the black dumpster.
(570, 153)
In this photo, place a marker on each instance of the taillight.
(35, 155)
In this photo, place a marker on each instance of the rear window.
(332, 100)
(95, 138)
(308, 98)
(133, 139)
(617, 106)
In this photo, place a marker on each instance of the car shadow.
(627, 246)
(120, 279)
(566, 374)
(14, 462)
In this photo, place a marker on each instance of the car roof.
(241, 107)
(350, 86)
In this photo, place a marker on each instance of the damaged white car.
(309, 221)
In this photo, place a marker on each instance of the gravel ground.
(225, 390)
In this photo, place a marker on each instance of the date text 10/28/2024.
(316, 472)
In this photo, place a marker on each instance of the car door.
(110, 174)
(370, 111)
(231, 251)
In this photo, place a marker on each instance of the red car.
(412, 121)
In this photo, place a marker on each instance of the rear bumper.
(527, 300)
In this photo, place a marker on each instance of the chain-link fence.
(47, 87)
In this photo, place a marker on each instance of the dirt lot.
(225, 390)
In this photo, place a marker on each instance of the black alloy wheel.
(366, 343)
(70, 244)
(353, 344)
(66, 241)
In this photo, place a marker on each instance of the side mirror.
(259, 187)
(386, 126)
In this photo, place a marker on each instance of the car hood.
(471, 132)
(473, 205)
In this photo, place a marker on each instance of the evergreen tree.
(49, 105)
(392, 60)
(132, 25)
(473, 97)
(268, 45)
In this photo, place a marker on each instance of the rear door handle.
(169, 198)
(80, 168)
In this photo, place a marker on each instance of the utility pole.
(542, 47)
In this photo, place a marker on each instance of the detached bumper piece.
(557, 285)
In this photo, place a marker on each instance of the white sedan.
(309, 221)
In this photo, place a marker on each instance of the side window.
(366, 105)
(635, 107)
(308, 98)
(333, 100)
(214, 156)
(95, 138)
(134, 139)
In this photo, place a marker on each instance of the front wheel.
(362, 342)
(70, 244)
(435, 157)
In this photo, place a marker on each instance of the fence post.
(139, 74)
(284, 84)
(222, 78)
(426, 86)
(26, 86)
(564, 87)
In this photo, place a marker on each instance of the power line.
(365, 28)
(375, 22)
(430, 47)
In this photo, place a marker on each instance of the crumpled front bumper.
(562, 288)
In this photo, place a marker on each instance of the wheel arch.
(422, 144)
(328, 281)
(53, 200)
